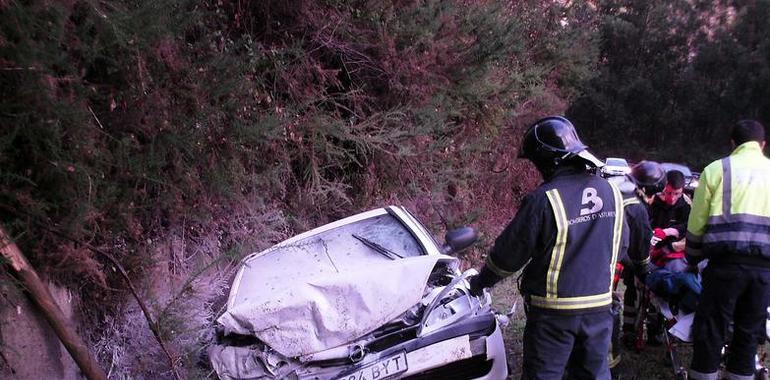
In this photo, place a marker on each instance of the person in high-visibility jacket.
(729, 224)
(569, 232)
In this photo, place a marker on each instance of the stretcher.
(677, 328)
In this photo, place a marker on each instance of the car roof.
(669, 166)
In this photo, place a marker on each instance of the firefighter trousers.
(553, 342)
(630, 303)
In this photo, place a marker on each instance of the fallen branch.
(40, 294)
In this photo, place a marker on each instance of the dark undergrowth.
(229, 125)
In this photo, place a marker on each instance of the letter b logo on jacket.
(590, 199)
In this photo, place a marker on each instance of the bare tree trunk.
(39, 293)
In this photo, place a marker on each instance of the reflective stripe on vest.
(634, 200)
(552, 300)
(727, 187)
(572, 303)
(631, 201)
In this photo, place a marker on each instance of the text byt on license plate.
(381, 369)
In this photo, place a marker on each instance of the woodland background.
(180, 135)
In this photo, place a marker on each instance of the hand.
(475, 288)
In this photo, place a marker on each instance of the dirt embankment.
(29, 349)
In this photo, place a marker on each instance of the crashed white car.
(371, 296)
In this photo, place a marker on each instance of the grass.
(504, 295)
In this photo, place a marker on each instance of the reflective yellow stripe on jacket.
(572, 303)
(617, 232)
(631, 201)
(557, 254)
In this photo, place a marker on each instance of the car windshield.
(611, 161)
(384, 234)
(380, 237)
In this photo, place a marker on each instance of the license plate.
(381, 369)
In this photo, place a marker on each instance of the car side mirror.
(459, 239)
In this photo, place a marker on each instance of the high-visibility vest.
(730, 215)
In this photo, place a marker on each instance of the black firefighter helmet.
(649, 176)
(552, 140)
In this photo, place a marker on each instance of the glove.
(476, 288)
(671, 232)
(657, 236)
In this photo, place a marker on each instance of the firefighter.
(645, 180)
(729, 224)
(569, 233)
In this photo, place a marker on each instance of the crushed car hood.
(307, 295)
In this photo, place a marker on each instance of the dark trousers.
(615, 346)
(731, 293)
(551, 341)
(630, 303)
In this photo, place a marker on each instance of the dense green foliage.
(674, 76)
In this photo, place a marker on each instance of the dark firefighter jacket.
(639, 232)
(571, 230)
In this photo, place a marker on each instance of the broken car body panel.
(302, 315)
(368, 296)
